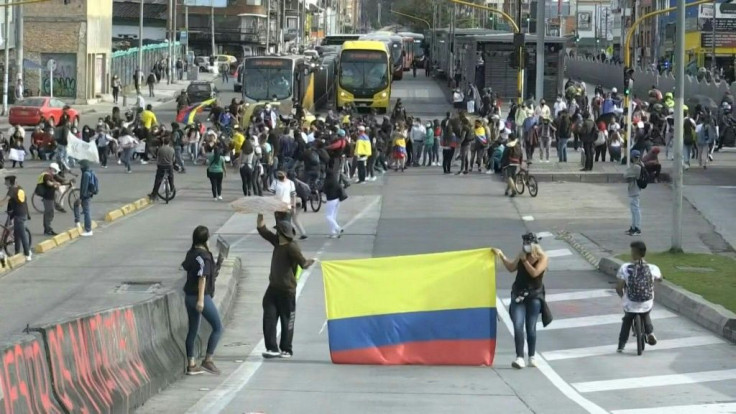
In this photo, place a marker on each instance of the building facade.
(78, 37)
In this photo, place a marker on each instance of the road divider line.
(584, 321)
(218, 399)
(655, 381)
(575, 295)
(662, 345)
(684, 409)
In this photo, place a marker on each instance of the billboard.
(205, 3)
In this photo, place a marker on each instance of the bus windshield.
(363, 70)
(418, 49)
(396, 53)
(267, 79)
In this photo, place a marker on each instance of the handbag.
(343, 195)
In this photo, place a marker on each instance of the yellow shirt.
(238, 141)
(400, 141)
(148, 119)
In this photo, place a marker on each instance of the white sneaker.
(489, 172)
(219, 197)
(518, 363)
(144, 162)
(29, 257)
(271, 354)
(86, 233)
(532, 362)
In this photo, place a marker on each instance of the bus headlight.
(384, 95)
(343, 94)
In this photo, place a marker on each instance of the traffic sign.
(51, 65)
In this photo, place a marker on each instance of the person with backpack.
(18, 214)
(588, 135)
(637, 179)
(88, 188)
(688, 139)
(635, 286)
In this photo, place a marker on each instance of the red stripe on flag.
(452, 352)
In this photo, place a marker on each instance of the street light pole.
(139, 73)
(541, 8)
(170, 63)
(212, 24)
(679, 126)
(6, 35)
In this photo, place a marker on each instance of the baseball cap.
(361, 128)
(54, 166)
(635, 154)
(340, 132)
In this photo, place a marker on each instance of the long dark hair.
(216, 155)
(200, 236)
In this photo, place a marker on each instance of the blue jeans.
(127, 156)
(525, 313)
(687, 153)
(84, 202)
(210, 315)
(635, 212)
(562, 149)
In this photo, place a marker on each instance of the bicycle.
(7, 240)
(637, 328)
(524, 179)
(71, 194)
(315, 195)
(165, 190)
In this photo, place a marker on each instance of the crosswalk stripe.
(655, 381)
(558, 253)
(609, 349)
(575, 295)
(584, 321)
(684, 409)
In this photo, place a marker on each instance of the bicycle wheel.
(8, 241)
(315, 201)
(37, 203)
(519, 182)
(165, 191)
(531, 183)
(72, 197)
(639, 331)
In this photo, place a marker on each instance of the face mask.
(527, 248)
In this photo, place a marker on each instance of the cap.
(340, 132)
(361, 128)
(635, 154)
(54, 166)
(529, 238)
(285, 229)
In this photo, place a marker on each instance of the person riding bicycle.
(636, 287)
(164, 164)
(182, 101)
(510, 162)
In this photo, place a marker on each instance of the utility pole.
(713, 48)
(186, 29)
(212, 24)
(174, 31)
(679, 124)
(139, 73)
(7, 57)
(268, 27)
(170, 63)
(19, 49)
(541, 6)
(379, 14)
(453, 18)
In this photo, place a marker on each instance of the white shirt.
(637, 307)
(457, 97)
(283, 190)
(559, 106)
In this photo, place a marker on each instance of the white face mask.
(527, 248)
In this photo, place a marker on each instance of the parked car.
(28, 111)
(200, 91)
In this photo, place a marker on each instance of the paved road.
(423, 211)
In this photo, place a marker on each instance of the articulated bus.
(407, 50)
(417, 47)
(394, 45)
(364, 75)
(282, 81)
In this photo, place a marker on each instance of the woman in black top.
(198, 292)
(527, 295)
(334, 193)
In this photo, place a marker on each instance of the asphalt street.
(423, 211)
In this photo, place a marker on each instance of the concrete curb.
(715, 318)
(590, 177)
(107, 361)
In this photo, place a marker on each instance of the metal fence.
(125, 62)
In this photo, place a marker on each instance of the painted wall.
(65, 75)
(156, 33)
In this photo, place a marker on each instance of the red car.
(28, 111)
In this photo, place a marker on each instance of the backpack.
(689, 133)
(643, 179)
(93, 185)
(639, 286)
(515, 154)
(312, 157)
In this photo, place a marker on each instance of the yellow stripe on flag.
(425, 282)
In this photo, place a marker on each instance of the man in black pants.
(588, 135)
(279, 302)
(165, 163)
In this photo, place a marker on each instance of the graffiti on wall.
(65, 75)
(25, 382)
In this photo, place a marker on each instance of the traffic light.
(628, 80)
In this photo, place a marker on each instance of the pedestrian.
(588, 135)
(545, 133)
(706, 136)
(303, 194)
(362, 152)
(601, 142)
(127, 144)
(635, 286)
(398, 146)
(564, 133)
(88, 188)
(216, 172)
(164, 167)
(429, 138)
(151, 81)
(615, 143)
(689, 138)
(633, 174)
(177, 137)
(279, 301)
(47, 186)
(103, 140)
(180, 69)
(19, 214)
(510, 163)
(466, 138)
(334, 194)
(199, 289)
(652, 165)
(527, 296)
(115, 88)
(137, 80)
(479, 146)
(224, 70)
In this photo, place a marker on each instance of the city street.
(424, 211)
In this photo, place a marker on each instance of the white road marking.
(217, 400)
(575, 295)
(664, 344)
(550, 373)
(684, 409)
(558, 253)
(545, 235)
(728, 186)
(596, 320)
(655, 381)
(324, 325)
(528, 218)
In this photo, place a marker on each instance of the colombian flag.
(428, 309)
(187, 114)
